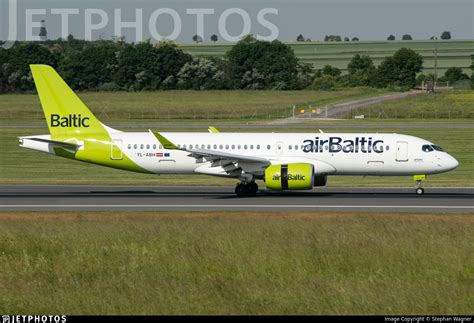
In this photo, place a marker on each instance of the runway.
(189, 198)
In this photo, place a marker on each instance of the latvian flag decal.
(162, 154)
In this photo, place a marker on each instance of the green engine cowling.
(297, 176)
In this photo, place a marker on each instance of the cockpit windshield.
(427, 148)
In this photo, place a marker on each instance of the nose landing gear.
(246, 189)
(419, 179)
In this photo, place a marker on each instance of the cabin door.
(402, 151)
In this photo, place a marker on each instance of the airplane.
(284, 161)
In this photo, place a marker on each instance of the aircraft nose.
(451, 163)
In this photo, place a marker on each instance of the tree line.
(250, 64)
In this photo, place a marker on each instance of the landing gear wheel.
(253, 188)
(420, 191)
(242, 190)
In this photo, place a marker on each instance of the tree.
(15, 75)
(330, 70)
(300, 38)
(91, 67)
(145, 66)
(332, 38)
(361, 70)
(214, 38)
(197, 39)
(446, 35)
(346, 39)
(391, 37)
(400, 69)
(200, 74)
(252, 58)
(454, 74)
(355, 39)
(325, 82)
(407, 37)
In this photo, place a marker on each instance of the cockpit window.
(427, 148)
(438, 148)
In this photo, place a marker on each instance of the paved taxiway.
(188, 198)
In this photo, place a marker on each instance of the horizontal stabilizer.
(67, 145)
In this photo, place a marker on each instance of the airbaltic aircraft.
(286, 161)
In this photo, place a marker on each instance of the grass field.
(185, 105)
(450, 53)
(24, 166)
(236, 263)
(441, 105)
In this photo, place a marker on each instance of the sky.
(282, 19)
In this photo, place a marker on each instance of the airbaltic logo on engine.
(337, 144)
(72, 120)
(291, 177)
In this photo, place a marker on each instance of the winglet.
(213, 129)
(165, 142)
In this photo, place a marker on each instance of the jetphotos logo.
(138, 24)
(12, 23)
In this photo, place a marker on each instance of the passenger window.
(215, 146)
(290, 147)
(227, 147)
(129, 146)
(233, 147)
(269, 147)
(154, 146)
(135, 146)
(203, 146)
(220, 147)
(238, 147)
(141, 146)
(251, 147)
(208, 146)
(245, 147)
(296, 147)
(258, 147)
(147, 146)
(160, 147)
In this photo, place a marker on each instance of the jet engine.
(296, 176)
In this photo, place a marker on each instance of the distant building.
(43, 32)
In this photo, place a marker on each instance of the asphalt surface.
(189, 198)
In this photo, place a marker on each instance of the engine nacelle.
(296, 176)
(320, 180)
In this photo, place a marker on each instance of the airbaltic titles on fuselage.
(338, 144)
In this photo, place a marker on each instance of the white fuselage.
(350, 154)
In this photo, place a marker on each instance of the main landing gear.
(419, 179)
(246, 189)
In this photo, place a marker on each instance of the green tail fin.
(64, 111)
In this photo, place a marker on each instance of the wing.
(229, 162)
